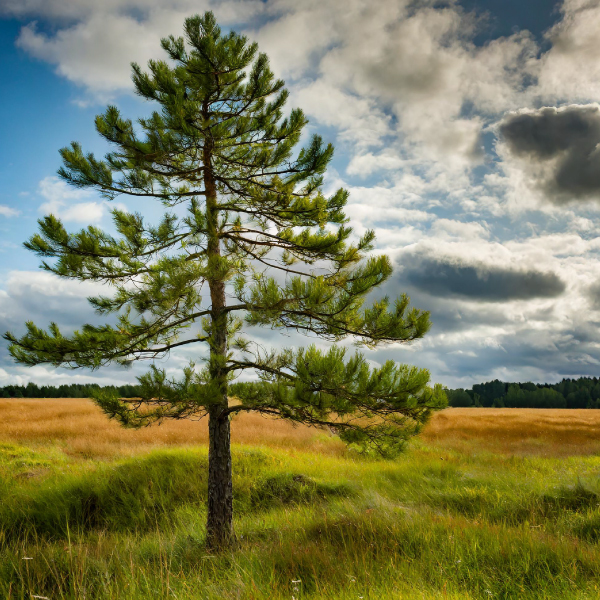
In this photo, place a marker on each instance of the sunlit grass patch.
(21, 461)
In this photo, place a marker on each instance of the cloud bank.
(475, 162)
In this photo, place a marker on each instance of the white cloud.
(391, 69)
(43, 285)
(84, 212)
(570, 70)
(306, 37)
(371, 70)
(369, 163)
(450, 228)
(421, 67)
(7, 211)
(358, 119)
(43, 297)
(98, 41)
(63, 201)
(42, 375)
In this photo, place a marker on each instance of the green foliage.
(143, 493)
(289, 489)
(253, 224)
(519, 397)
(459, 398)
(568, 393)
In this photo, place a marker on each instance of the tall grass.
(447, 520)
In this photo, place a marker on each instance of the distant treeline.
(568, 393)
(72, 390)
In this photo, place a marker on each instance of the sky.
(466, 132)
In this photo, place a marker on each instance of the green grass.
(433, 524)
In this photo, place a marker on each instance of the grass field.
(487, 503)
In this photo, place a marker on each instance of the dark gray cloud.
(485, 283)
(561, 146)
(593, 294)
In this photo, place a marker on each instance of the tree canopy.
(248, 238)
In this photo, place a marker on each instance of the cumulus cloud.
(64, 202)
(31, 293)
(451, 228)
(43, 297)
(570, 68)
(359, 120)
(396, 79)
(97, 43)
(546, 332)
(420, 66)
(74, 9)
(118, 39)
(557, 148)
(393, 69)
(593, 294)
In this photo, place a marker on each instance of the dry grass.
(519, 431)
(79, 427)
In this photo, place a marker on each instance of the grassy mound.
(145, 493)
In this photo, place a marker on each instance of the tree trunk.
(219, 524)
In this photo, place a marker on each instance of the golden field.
(549, 432)
(80, 428)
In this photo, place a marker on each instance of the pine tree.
(247, 239)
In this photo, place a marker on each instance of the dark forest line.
(85, 390)
(72, 390)
(568, 393)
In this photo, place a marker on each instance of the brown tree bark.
(219, 524)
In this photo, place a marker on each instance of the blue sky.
(466, 132)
